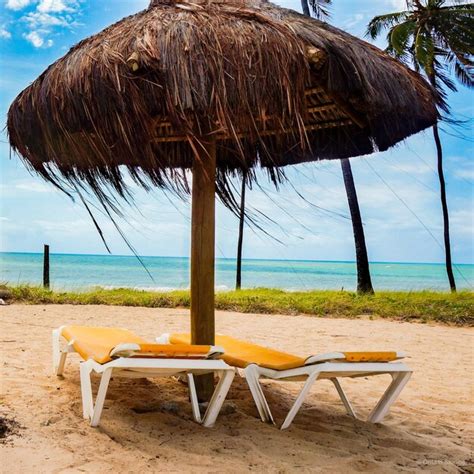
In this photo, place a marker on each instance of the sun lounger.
(118, 352)
(255, 362)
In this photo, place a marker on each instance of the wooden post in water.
(46, 267)
(203, 255)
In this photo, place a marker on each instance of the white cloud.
(413, 168)
(43, 18)
(4, 33)
(47, 6)
(354, 20)
(399, 5)
(462, 223)
(466, 173)
(71, 227)
(37, 40)
(17, 4)
(26, 186)
(35, 187)
(37, 19)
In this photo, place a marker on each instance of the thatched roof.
(275, 88)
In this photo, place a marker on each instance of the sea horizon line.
(232, 258)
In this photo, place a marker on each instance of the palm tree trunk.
(444, 205)
(238, 280)
(364, 282)
(305, 7)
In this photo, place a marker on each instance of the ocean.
(80, 272)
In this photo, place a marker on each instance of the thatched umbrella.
(215, 87)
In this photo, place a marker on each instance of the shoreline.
(81, 272)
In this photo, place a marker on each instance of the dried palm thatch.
(272, 86)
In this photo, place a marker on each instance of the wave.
(161, 289)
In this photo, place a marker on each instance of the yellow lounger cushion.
(97, 344)
(241, 354)
(370, 356)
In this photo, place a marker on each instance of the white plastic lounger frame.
(325, 367)
(137, 367)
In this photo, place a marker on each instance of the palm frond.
(399, 36)
(464, 74)
(443, 77)
(404, 56)
(462, 66)
(424, 50)
(320, 8)
(466, 8)
(383, 22)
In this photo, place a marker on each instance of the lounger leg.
(100, 399)
(347, 404)
(86, 390)
(225, 381)
(56, 351)
(194, 399)
(252, 378)
(399, 381)
(299, 400)
(60, 355)
(62, 363)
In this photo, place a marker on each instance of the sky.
(398, 189)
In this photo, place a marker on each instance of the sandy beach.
(429, 428)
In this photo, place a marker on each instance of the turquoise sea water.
(85, 271)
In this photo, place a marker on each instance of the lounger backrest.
(98, 342)
(103, 344)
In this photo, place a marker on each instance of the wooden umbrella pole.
(203, 254)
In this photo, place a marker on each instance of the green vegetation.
(423, 306)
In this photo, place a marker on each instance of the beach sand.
(429, 428)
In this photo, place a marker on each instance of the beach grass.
(421, 306)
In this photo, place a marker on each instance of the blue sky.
(34, 33)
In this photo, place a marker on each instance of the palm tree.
(238, 280)
(437, 37)
(364, 281)
(319, 8)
